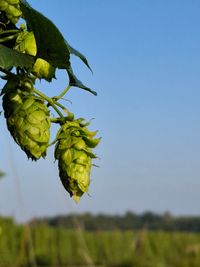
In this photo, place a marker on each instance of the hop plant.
(11, 9)
(74, 155)
(31, 52)
(27, 119)
(26, 43)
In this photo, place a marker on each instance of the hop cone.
(12, 9)
(27, 120)
(74, 155)
(26, 43)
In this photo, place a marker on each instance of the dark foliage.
(129, 221)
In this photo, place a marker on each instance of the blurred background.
(146, 64)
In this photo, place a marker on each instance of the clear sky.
(146, 62)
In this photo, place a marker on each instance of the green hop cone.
(74, 155)
(26, 43)
(42, 69)
(12, 9)
(27, 120)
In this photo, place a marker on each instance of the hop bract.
(12, 9)
(74, 155)
(27, 120)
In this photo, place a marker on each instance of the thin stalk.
(9, 31)
(58, 120)
(71, 115)
(8, 38)
(63, 93)
(49, 100)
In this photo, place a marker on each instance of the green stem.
(58, 120)
(9, 31)
(63, 93)
(8, 38)
(70, 115)
(49, 100)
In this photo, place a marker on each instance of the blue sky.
(146, 62)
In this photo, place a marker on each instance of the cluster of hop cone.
(28, 118)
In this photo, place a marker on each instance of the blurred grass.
(25, 245)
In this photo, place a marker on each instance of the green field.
(47, 246)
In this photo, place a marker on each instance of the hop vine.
(28, 52)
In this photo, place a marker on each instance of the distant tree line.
(128, 221)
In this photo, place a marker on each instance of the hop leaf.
(51, 44)
(27, 120)
(10, 58)
(74, 155)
